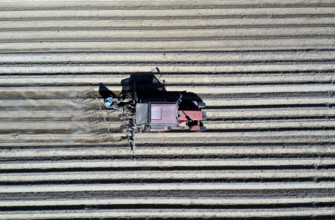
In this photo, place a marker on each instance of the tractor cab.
(157, 116)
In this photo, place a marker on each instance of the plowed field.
(266, 70)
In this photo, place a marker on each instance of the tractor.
(150, 108)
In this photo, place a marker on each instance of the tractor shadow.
(147, 86)
(105, 92)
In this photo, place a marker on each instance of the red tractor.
(157, 116)
(150, 108)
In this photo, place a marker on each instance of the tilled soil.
(264, 68)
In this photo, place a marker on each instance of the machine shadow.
(144, 87)
(104, 91)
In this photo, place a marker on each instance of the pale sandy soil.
(264, 68)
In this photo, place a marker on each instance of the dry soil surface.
(264, 68)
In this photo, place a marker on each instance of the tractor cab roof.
(157, 113)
